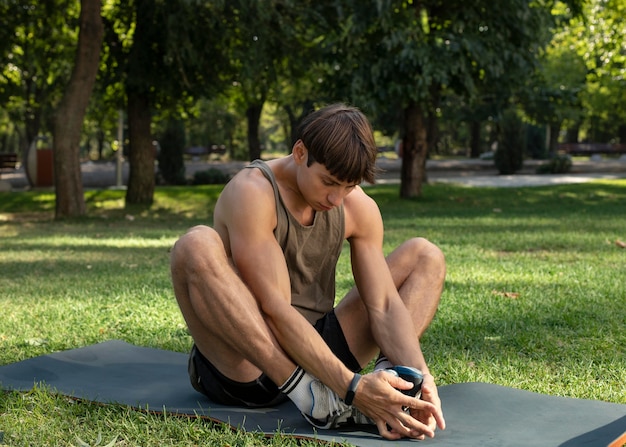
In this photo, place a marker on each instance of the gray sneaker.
(329, 411)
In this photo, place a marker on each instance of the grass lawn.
(535, 296)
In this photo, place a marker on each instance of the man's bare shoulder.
(361, 213)
(358, 201)
(249, 182)
(246, 191)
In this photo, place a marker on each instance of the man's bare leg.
(222, 315)
(418, 270)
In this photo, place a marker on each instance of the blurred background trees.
(442, 77)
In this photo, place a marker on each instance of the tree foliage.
(405, 54)
(580, 83)
(162, 53)
(406, 63)
(37, 46)
(598, 38)
(272, 50)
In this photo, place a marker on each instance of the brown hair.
(340, 138)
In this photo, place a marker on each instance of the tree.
(509, 156)
(37, 47)
(162, 53)
(552, 94)
(268, 43)
(172, 144)
(141, 80)
(598, 38)
(71, 112)
(406, 52)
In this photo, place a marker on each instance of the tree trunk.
(253, 115)
(295, 120)
(415, 151)
(553, 141)
(292, 126)
(572, 133)
(32, 118)
(100, 136)
(475, 128)
(68, 122)
(432, 136)
(621, 132)
(141, 151)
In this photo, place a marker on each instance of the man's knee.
(427, 255)
(194, 248)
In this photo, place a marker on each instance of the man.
(257, 290)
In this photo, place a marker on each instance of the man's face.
(322, 190)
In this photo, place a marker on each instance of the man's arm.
(246, 217)
(390, 322)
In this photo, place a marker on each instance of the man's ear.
(300, 152)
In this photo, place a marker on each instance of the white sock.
(382, 363)
(298, 388)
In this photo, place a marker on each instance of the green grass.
(534, 297)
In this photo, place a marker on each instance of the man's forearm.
(307, 349)
(396, 337)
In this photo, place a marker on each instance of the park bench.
(7, 162)
(592, 148)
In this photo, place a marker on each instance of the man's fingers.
(385, 431)
(401, 424)
(404, 426)
(427, 412)
(392, 421)
(418, 429)
(429, 393)
(441, 422)
(398, 383)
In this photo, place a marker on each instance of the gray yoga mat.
(477, 414)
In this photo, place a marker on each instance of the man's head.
(340, 138)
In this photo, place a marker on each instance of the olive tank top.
(311, 252)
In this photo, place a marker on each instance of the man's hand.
(430, 394)
(379, 399)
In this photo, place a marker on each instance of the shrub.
(509, 156)
(211, 176)
(536, 142)
(559, 164)
(170, 156)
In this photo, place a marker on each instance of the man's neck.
(286, 172)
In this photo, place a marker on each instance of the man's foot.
(329, 411)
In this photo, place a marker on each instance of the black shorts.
(261, 392)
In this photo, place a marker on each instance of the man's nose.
(335, 198)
